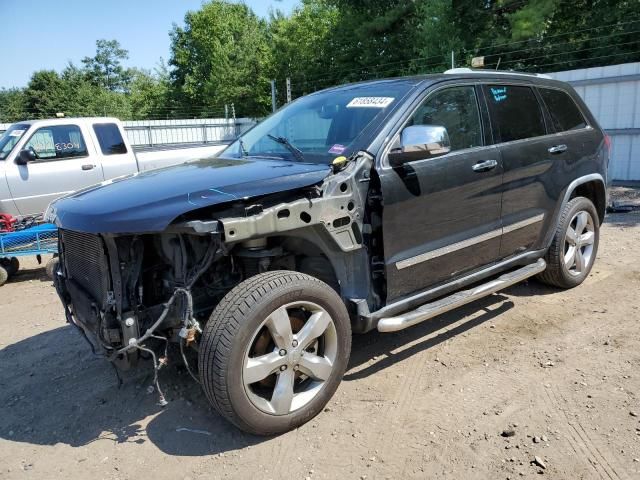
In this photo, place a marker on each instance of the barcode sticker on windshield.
(16, 133)
(370, 102)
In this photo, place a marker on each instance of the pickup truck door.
(65, 164)
(441, 215)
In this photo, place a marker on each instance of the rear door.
(519, 126)
(545, 142)
(64, 165)
(441, 216)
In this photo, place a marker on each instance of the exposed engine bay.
(132, 295)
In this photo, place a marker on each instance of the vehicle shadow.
(376, 344)
(53, 390)
(31, 273)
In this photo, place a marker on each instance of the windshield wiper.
(290, 146)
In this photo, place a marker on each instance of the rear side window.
(110, 139)
(57, 142)
(515, 112)
(564, 112)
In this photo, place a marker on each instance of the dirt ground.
(559, 371)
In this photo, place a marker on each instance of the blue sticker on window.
(499, 94)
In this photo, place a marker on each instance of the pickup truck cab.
(41, 160)
(375, 205)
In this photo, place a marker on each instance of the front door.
(63, 165)
(441, 215)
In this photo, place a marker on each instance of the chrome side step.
(455, 300)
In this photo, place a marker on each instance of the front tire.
(274, 351)
(574, 246)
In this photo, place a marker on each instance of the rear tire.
(11, 265)
(574, 246)
(274, 351)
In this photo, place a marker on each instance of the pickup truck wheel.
(274, 351)
(4, 276)
(51, 267)
(11, 265)
(574, 246)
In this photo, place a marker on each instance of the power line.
(616, 24)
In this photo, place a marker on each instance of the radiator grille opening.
(86, 263)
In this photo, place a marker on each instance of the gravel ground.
(530, 382)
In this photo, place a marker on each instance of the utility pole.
(453, 63)
(288, 90)
(273, 95)
(235, 124)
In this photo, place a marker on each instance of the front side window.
(515, 112)
(9, 138)
(57, 142)
(564, 112)
(456, 109)
(110, 139)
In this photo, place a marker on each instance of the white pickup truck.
(41, 160)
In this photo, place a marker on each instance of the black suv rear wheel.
(574, 246)
(274, 351)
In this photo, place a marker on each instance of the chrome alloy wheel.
(290, 357)
(578, 243)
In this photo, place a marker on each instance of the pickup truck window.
(456, 109)
(564, 112)
(515, 112)
(110, 139)
(321, 126)
(58, 142)
(9, 139)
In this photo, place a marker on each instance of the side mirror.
(418, 142)
(25, 156)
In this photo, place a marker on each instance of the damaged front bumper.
(105, 295)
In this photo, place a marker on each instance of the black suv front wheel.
(274, 351)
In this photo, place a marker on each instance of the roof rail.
(494, 72)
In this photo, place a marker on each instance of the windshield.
(10, 138)
(320, 127)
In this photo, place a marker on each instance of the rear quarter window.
(110, 139)
(565, 114)
(515, 112)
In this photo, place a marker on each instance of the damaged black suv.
(375, 205)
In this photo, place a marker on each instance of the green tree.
(149, 94)
(12, 105)
(304, 45)
(45, 94)
(375, 38)
(221, 56)
(105, 68)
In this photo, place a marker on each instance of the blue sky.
(47, 34)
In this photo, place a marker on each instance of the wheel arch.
(595, 191)
(591, 186)
(351, 268)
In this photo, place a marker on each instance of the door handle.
(558, 149)
(88, 167)
(485, 166)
